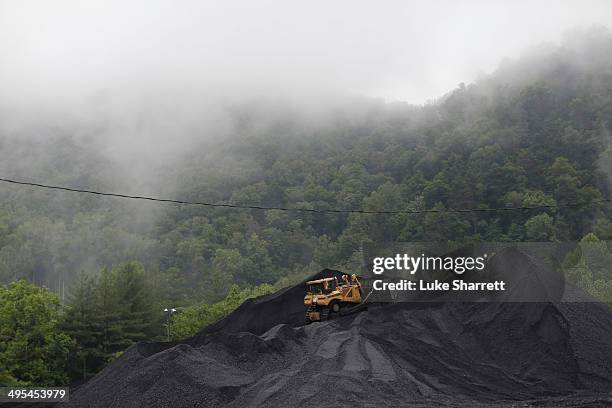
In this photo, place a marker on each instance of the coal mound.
(260, 314)
(395, 355)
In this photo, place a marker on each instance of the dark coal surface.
(392, 355)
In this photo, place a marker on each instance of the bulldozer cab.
(315, 288)
(330, 296)
(321, 286)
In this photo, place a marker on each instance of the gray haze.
(145, 78)
(63, 52)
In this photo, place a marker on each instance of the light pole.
(169, 313)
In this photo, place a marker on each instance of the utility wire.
(305, 210)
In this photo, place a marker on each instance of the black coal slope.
(258, 315)
(452, 354)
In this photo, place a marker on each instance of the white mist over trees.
(479, 145)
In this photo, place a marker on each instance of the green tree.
(226, 264)
(133, 303)
(82, 323)
(588, 267)
(540, 228)
(125, 309)
(33, 349)
(259, 268)
(444, 226)
(112, 338)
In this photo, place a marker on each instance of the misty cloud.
(65, 52)
(144, 81)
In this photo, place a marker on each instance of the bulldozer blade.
(354, 309)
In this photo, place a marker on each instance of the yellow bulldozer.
(328, 297)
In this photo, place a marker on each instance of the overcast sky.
(398, 50)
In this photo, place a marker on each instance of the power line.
(305, 210)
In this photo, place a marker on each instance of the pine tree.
(109, 314)
(134, 306)
(107, 307)
(83, 324)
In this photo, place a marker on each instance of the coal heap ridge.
(399, 354)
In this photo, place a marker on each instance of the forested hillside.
(534, 133)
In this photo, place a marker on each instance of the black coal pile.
(400, 354)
